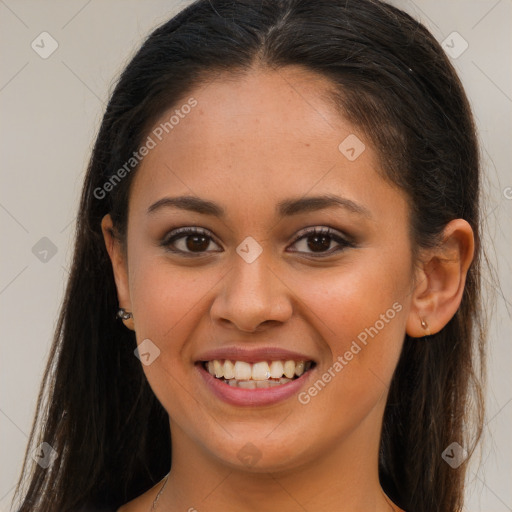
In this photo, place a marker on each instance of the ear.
(119, 266)
(440, 280)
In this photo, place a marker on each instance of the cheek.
(360, 313)
(167, 303)
(347, 301)
(167, 299)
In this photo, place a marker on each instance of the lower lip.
(252, 397)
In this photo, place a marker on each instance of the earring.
(425, 326)
(123, 314)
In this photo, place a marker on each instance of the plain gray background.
(50, 112)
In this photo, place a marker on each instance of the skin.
(251, 142)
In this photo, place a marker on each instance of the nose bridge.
(251, 293)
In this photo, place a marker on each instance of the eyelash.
(303, 234)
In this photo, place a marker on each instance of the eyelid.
(323, 230)
(343, 240)
(186, 230)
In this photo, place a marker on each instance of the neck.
(344, 477)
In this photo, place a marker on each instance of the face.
(251, 293)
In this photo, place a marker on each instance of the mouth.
(258, 375)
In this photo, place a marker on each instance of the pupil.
(324, 244)
(203, 241)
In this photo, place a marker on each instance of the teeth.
(260, 371)
(276, 369)
(299, 368)
(229, 370)
(256, 384)
(243, 370)
(265, 383)
(289, 369)
(218, 369)
(257, 375)
(247, 384)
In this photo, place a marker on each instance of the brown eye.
(188, 241)
(319, 243)
(197, 243)
(319, 240)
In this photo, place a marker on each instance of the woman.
(274, 300)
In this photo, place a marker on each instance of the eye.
(192, 241)
(319, 240)
(189, 239)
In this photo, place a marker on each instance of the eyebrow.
(285, 208)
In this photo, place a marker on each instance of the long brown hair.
(395, 83)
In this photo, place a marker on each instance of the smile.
(258, 375)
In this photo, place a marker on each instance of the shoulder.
(142, 503)
(136, 505)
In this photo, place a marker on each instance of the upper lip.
(252, 355)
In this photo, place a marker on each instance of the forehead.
(261, 136)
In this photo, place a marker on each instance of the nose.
(252, 296)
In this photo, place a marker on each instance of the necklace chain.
(159, 492)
